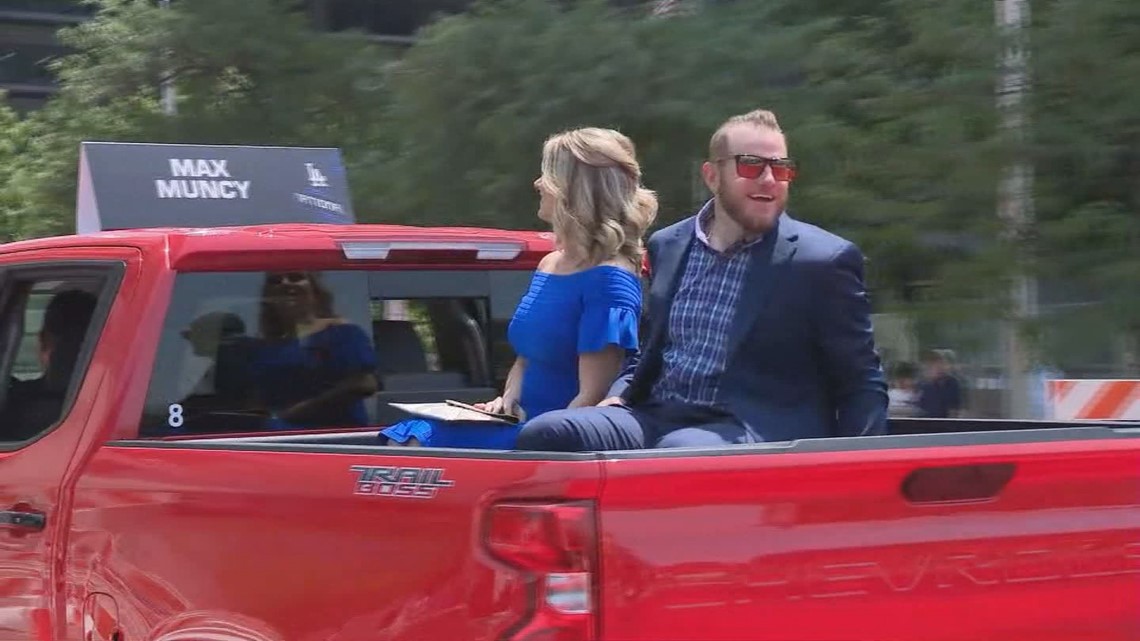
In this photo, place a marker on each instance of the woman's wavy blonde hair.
(600, 205)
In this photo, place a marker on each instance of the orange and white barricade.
(1094, 399)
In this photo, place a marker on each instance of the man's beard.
(735, 210)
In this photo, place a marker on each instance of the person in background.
(903, 392)
(211, 336)
(759, 324)
(939, 391)
(221, 382)
(1040, 400)
(578, 321)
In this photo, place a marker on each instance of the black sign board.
(139, 185)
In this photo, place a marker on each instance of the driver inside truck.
(34, 405)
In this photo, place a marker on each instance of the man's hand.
(613, 400)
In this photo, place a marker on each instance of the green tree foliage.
(11, 148)
(895, 121)
(1087, 157)
(888, 105)
(248, 72)
(474, 99)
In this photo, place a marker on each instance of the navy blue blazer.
(802, 360)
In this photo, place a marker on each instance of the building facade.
(28, 29)
(28, 43)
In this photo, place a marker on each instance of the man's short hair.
(757, 117)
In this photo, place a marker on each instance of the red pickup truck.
(142, 500)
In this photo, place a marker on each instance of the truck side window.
(263, 351)
(253, 351)
(46, 327)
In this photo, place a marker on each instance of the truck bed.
(902, 433)
(945, 531)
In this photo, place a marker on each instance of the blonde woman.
(578, 321)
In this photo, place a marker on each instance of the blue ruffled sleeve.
(611, 311)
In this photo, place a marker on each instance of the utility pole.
(1015, 197)
(168, 100)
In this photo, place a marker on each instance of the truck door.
(52, 314)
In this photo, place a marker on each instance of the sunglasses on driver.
(751, 167)
(292, 278)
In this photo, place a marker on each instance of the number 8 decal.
(175, 418)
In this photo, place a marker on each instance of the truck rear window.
(254, 351)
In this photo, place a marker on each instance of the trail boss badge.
(401, 482)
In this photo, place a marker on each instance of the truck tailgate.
(1031, 540)
(320, 545)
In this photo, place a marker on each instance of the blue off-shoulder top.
(564, 315)
(559, 317)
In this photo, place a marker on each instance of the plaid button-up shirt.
(700, 318)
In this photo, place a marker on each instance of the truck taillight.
(555, 545)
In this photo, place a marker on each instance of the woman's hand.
(508, 403)
(503, 405)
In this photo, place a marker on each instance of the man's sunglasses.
(752, 167)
